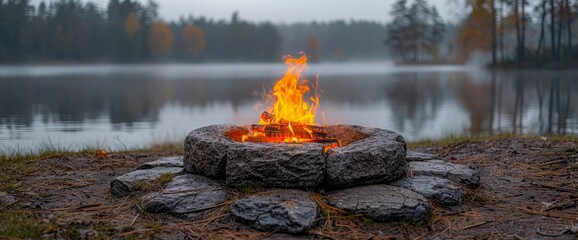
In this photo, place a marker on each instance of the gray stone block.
(437, 189)
(284, 210)
(379, 157)
(206, 149)
(382, 203)
(458, 173)
(127, 183)
(186, 196)
(176, 161)
(279, 165)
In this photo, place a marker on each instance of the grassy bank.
(20, 163)
(455, 139)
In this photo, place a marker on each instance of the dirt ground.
(529, 191)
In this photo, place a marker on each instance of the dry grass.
(462, 139)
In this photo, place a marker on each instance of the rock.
(279, 165)
(382, 203)
(206, 149)
(455, 172)
(437, 189)
(419, 156)
(186, 196)
(127, 183)
(377, 158)
(176, 161)
(284, 210)
(6, 199)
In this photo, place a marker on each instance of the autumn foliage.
(160, 38)
(193, 39)
(313, 47)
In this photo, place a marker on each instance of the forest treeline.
(520, 33)
(130, 31)
(502, 33)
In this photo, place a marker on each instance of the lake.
(120, 107)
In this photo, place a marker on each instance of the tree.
(476, 33)
(552, 31)
(242, 42)
(193, 39)
(269, 42)
(13, 24)
(415, 32)
(494, 32)
(160, 40)
(131, 24)
(520, 18)
(313, 47)
(543, 13)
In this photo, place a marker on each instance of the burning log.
(286, 131)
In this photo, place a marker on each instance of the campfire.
(291, 119)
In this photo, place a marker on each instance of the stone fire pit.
(366, 176)
(367, 156)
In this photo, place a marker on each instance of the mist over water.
(126, 106)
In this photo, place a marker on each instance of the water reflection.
(137, 105)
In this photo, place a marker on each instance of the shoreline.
(65, 195)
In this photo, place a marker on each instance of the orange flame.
(289, 92)
(291, 119)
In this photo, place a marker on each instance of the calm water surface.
(120, 107)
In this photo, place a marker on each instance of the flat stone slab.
(277, 165)
(284, 210)
(420, 156)
(127, 183)
(176, 161)
(458, 173)
(206, 149)
(6, 199)
(437, 189)
(379, 157)
(382, 203)
(186, 196)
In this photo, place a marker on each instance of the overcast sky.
(287, 11)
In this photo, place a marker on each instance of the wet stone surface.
(129, 182)
(176, 161)
(382, 203)
(420, 156)
(458, 173)
(186, 196)
(275, 165)
(283, 210)
(378, 158)
(437, 189)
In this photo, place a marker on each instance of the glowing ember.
(291, 118)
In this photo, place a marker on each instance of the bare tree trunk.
(558, 106)
(494, 33)
(553, 30)
(523, 34)
(551, 105)
(493, 101)
(560, 25)
(542, 23)
(517, 13)
(502, 31)
(569, 26)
